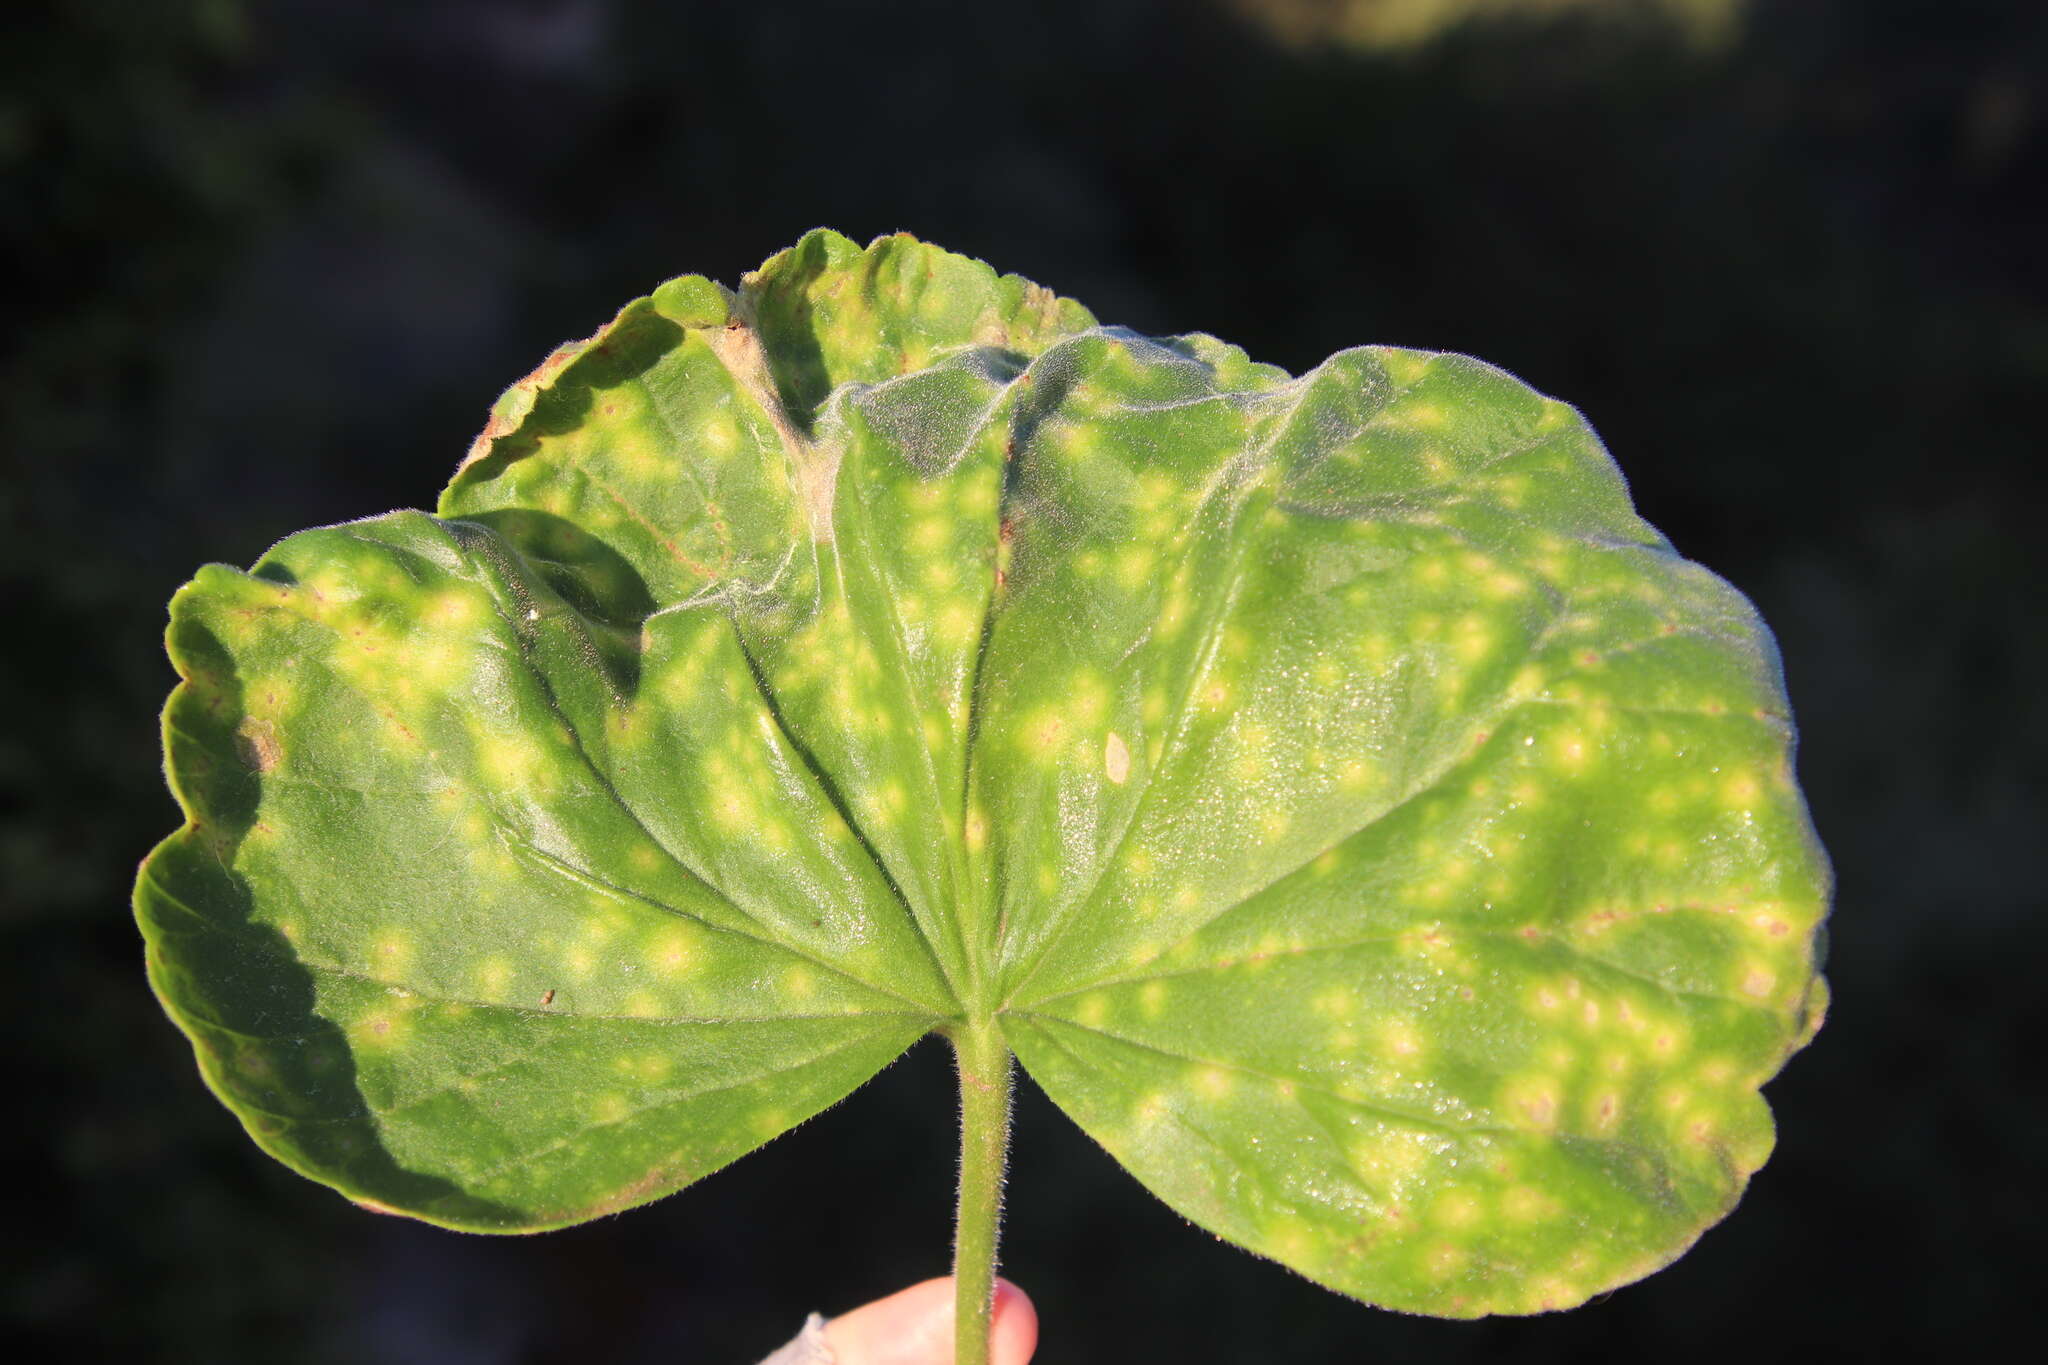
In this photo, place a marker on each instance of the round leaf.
(1353, 815)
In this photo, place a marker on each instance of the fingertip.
(1013, 1332)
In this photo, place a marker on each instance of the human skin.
(915, 1327)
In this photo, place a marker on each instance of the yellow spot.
(958, 622)
(1212, 1082)
(1742, 790)
(1116, 758)
(799, 981)
(1401, 1039)
(1572, 749)
(1526, 1204)
(1389, 1157)
(1134, 564)
(1532, 1102)
(1335, 1002)
(976, 829)
(673, 951)
(1044, 732)
(1151, 1109)
(380, 1029)
(611, 1109)
(718, 435)
(1152, 998)
(1091, 1010)
(641, 1005)
(579, 961)
(494, 974)
(1456, 1209)
(1757, 981)
(391, 952)
(1444, 1260)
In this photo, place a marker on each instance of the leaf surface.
(1359, 820)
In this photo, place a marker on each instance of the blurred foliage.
(1391, 25)
(271, 261)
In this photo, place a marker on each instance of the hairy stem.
(984, 1060)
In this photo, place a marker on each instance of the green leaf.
(1348, 809)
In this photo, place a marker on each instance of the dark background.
(270, 261)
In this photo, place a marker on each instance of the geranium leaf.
(1349, 810)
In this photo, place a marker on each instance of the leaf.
(1354, 815)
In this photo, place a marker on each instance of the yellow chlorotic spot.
(958, 622)
(641, 1005)
(1273, 825)
(976, 829)
(1532, 1102)
(799, 981)
(1173, 614)
(1603, 1111)
(1405, 368)
(380, 1028)
(1526, 1204)
(579, 961)
(1573, 749)
(1153, 707)
(391, 952)
(1768, 923)
(732, 808)
(1215, 694)
(1116, 759)
(1151, 1109)
(455, 610)
(494, 974)
(1546, 1000)
(1474, 639)
(1389, 1157)
(1091, 1010)
(1757, 980)
(1327, 862)
(1134, 564)
(1504, 584)
(1354, 774)
(1742, 790)
(718, 436)
(1044, 732)
(1456, 1209)
(644, 857)
(1152, 998)
(611, 1109)
(1401, 1039)
(510, 764)
(1337, 1002)
(1444, 1260)
(1212, 1082)
(977, 496)
(672, 952)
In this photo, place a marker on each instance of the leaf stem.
(984, 1061)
